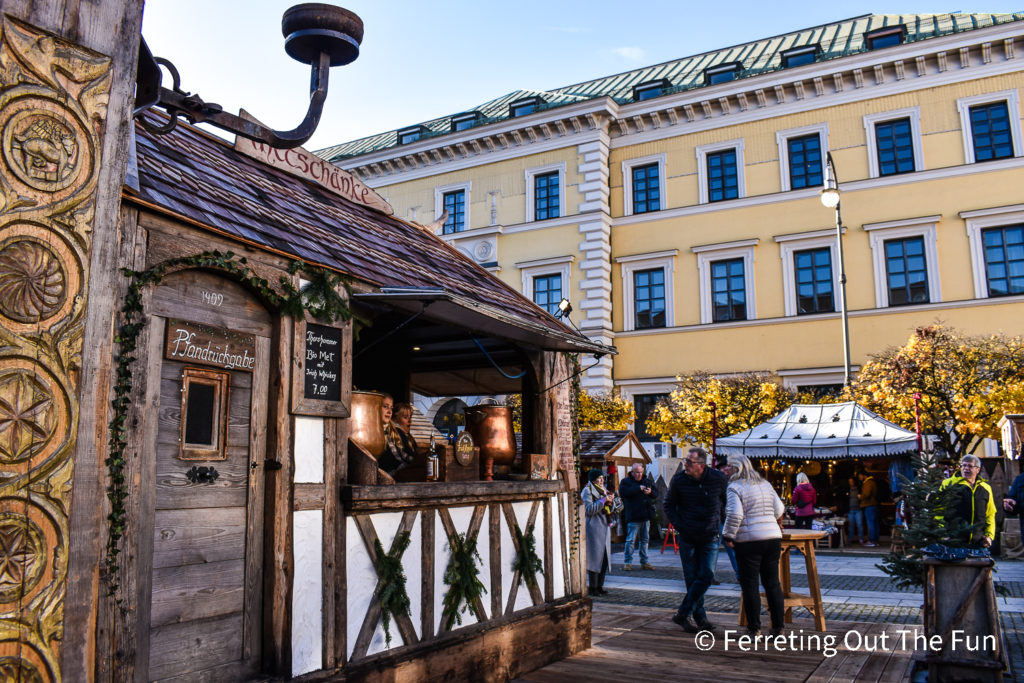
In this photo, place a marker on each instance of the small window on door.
(204, 401)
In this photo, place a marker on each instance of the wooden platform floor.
(642, 644)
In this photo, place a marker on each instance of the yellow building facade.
(688, 229)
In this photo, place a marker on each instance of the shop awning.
(827, 431)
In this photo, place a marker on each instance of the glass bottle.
(433, 461)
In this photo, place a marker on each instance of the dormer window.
(885, 37)
(721, 73)
(649, 89)
(524, 106)
(799, 56)
(464, 121)
(407, 135)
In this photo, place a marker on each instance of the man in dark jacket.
(694, 504)
(637, 492)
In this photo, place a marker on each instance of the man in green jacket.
(975, 503)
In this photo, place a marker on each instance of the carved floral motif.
(16, 669)
(32, 282)
(22, 556)
(26, 416)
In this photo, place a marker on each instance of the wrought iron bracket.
(202, 475)
(319, 35)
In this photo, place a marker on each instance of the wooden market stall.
(253, 540)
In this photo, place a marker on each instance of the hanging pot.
(491, 428)
(366, 421)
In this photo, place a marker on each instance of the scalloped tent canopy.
(826, 431)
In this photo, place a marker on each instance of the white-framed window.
(645, 395)
(726, 273)
(995, 237)
(542, 276)
(643, 184)
(720, 171)
(654, 273)
(802, 156)
(894, 142)
(545, 192)
(990, 124)
(814, 380)
(905, 257)
(808, 287)
(455, 198)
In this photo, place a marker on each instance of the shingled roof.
(192, 175)
(838, 39)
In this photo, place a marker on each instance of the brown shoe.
(627, 567)
(647, 565)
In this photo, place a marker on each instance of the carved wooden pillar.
(58, 204)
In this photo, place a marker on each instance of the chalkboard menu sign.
(323, 363)
(321, 369)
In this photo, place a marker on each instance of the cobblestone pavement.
(853, 589)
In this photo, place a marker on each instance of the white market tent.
(828, 431)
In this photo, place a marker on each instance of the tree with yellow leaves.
(596, 411)
(605, 411)
(966, 384)
(742, 402)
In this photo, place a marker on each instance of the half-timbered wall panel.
(307, 592)
(491, 524)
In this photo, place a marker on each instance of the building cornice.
(553, 128)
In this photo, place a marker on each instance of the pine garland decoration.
(394, 600)
(324, 305)
(928, 504)
(526, 562)
(463, 580)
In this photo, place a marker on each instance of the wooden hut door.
(206, 580)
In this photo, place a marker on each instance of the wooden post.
(76, 70)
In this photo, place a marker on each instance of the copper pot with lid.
(491, 427)
(366, 421)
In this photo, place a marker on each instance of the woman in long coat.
(600, 507)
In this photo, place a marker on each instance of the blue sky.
(422, 60)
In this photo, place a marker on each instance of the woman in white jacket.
(752, 528)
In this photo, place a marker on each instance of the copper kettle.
(491, 427)
(366, 421)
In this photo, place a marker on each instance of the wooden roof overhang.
(474, 333)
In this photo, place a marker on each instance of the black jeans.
(760, 559)
(804, 522)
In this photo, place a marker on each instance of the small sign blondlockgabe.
(190, 342)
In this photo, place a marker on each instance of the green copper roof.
(835, 40)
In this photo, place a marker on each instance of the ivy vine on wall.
(574, 416)
(463, 580)
(319, 298)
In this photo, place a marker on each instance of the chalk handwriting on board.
(213, 298)
(323, 363)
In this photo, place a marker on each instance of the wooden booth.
(255, 536)
(185, 322)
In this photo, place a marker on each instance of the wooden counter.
(421, 495)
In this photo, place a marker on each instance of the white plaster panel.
(360, 580)
(309, 449)
(412, 563)
(561, 540)
(442, 554)
(307, 592)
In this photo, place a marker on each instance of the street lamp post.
(830, 199)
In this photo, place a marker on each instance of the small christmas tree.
(928, 504)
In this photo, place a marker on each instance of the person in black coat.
(637, 493)
(695, 504)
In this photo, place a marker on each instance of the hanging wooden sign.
(322, 369)
(204, 345)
